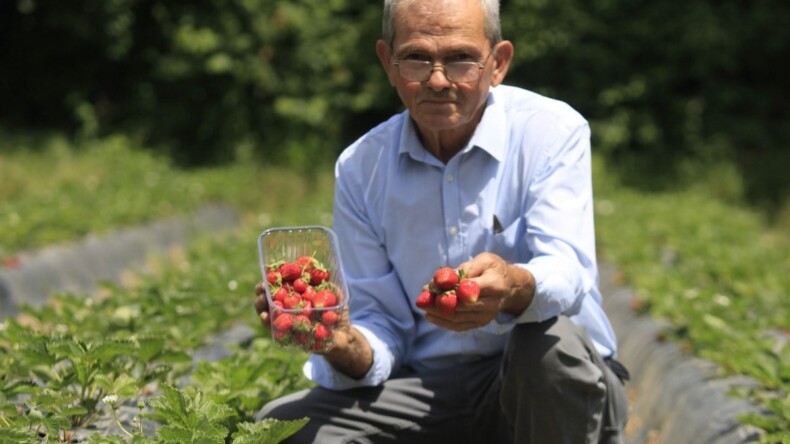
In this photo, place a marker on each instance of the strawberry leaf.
(268, 431)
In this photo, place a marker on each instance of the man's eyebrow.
(410, 49)
(413, 49)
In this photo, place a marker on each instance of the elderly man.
(491, 179)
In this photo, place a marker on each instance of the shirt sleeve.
(378, 306)
(560, 228)
(321, 372)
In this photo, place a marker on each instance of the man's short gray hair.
(491, 25)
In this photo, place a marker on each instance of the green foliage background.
(673, 90)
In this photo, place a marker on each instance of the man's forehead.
(439, 19)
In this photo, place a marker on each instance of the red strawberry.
(280, 294)
(425, 299)
(293, 300)
(445, 278)
(301, 337)
(322, 332)
(307, 308)
(318, 276)
(307, 262)
(284, 322)
(468, 291)
(273, 277)
(290, 271)
(324, 298)
(446, 302)
(302, 323)
(309, 292)
(300, 285)
(330, 317)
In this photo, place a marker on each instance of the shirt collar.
(490, 135)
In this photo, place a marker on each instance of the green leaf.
(99, 438)
(105, 351)
(18, 435)
(268, 431)
(174, 433)
(150, 347)
(56, 423)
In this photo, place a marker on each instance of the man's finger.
(261, 305)
(259, 290)
(265, 320)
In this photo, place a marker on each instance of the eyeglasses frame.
(443, 66)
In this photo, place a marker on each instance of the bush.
(668, 88)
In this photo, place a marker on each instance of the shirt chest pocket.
(506, 239)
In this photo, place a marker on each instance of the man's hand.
(503, 287)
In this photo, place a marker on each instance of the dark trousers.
(550, 386)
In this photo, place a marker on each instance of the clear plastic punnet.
(303, 280)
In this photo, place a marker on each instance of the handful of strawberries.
(446, 289)
(305, 304)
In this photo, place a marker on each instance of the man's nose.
(438, 79)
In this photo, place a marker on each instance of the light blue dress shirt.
(521, 189)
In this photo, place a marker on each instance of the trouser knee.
(544, 354)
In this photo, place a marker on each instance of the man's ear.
(383, 51)
(502, 58)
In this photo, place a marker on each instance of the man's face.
(440, 32)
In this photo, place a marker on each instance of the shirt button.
(450, 178)
(453, 230)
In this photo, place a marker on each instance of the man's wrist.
(522, 291)
(351, 353)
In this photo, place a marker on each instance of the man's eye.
(417, 57)
(461, 58)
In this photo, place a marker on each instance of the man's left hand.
(503, 287)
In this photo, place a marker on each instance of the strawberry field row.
(717, 275)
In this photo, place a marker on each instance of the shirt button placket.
(451, 197)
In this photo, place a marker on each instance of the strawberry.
(300, 285)
(309, 292)
(425, 299)
(284, 322)
(445, 278)
(293, 300)
(318, 276)
(330, 317)
(468, 291)
(301, 337)
(446, 302)
(290, 271)
(302, 323)
(324, 298)
(280, 294)
(307, 262)
(273, 277)
(322, 332)
(307, 307)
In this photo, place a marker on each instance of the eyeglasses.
(456, 72)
